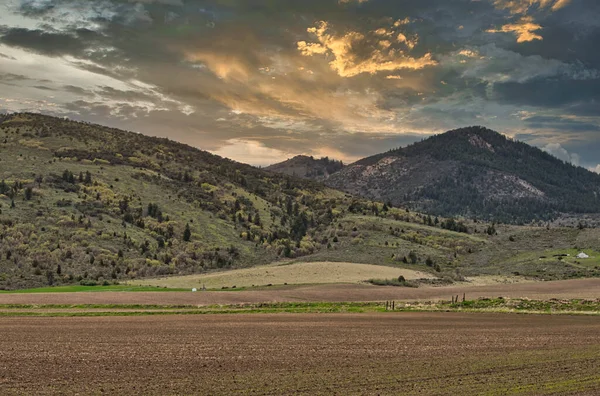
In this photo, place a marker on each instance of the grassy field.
(482, 305)
(581, 289)
(78, 289)
(287, 274)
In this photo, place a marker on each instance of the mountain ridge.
(474, 172)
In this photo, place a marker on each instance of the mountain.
(87, 204)
(307, 167)
(474, 172)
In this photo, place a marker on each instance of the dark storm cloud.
(559, 123)
(590, 108)
(345, 77)
(548, 92)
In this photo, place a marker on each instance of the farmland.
(293, 274)
(378, 353)
(571, 289)
(532, 338)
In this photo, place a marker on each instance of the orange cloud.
(377, 55)
(524, 29)
(524, 6)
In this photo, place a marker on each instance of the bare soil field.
(388, 353)
(292, 274)
(570, 289)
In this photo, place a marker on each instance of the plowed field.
(391, 353)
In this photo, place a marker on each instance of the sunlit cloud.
(524, 6)
(524, 29)
(355, 53)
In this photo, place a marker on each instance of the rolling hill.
(86, 204)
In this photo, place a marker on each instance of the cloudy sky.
(262, 80)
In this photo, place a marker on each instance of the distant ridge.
(308, 167)
(473, 172)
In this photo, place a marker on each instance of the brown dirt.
(401, 353)
(581, 288)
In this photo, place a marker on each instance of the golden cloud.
(524, 6)
(287, 93)
(524, 29)
(377, 54)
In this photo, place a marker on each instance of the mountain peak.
(479, 137)
(474, 171)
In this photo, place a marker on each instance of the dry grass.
(292, 274)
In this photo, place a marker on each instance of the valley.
(89, 205)
(106, 233)
(318, 197)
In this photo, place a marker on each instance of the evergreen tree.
(187, 234)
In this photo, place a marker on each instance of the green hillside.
(85, 204)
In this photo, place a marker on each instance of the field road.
(310, 354)
(569, 289)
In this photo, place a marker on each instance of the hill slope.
(85, 202)
(307, 167)
(474, 172)
(82, 203)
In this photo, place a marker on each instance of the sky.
(260, 81)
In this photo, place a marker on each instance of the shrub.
(413, 257)
(393, 282)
